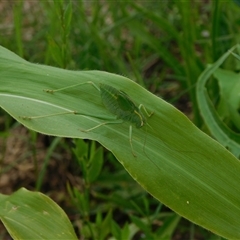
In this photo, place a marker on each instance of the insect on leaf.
(119, 104)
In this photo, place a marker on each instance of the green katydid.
(119, 104)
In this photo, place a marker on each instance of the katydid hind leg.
(47, 115)
(104, 123)
(72, 86)
(99, 125)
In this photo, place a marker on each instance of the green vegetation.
(164, 47)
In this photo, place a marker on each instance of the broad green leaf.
(32, 215)
(176, 162)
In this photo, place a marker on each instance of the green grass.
(164, 46)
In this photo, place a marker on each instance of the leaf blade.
(180, 165)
